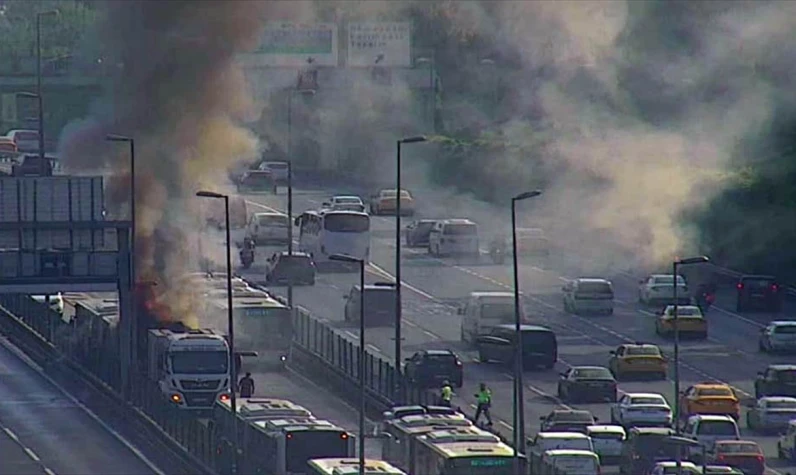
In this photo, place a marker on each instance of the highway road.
(433, 288)
(44, 431)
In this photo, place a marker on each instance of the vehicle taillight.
(761, 459)
(721, 458)
(344, 436)
(458, 363)
(739, 286)
(774, 287)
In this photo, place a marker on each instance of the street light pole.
(230, 330)
(290, 226)
(134, 324)
(675, 319)
(519, 398)
(398, 304)
(361, 262)
(38, 81)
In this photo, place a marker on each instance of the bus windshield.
(486, 465)
(264, 323)
(346, 223)
(198, 362)
(305, 445)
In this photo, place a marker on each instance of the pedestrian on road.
(246, 386)
(446, 394)
(484, 399)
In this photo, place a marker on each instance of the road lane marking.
(374, 348)
(30, 453)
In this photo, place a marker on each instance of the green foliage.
(60, 32)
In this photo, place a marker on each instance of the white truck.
(191, 367)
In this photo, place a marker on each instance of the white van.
(571, 462)
(709, 429)
(453, 236)
(545, 441)
(268, 227)
(484, 310)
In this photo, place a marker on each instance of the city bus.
(469, 451)
(401, 445)
(350, 466)
(285, 446)
(327, 232)
(262, 325)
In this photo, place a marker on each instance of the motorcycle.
(705, 301)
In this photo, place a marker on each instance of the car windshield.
(496, 310)
(785, 329)
(647, 400)
(295, 262)
(198, 362)
(276, 165)
(346, 223)
(572, 416)
(684, 311)
(391, 194)
(347, 200)
(274, 220)
(26, 136)
(607, 436)
(781, 404)
(667, 280)
(717, 428)
(739, 448)
(724, 392)
(786, 375)
(425, 227)
(643, 351)
(595, 288)
(441, 359)
(593, 373)
(758, 283)
(460, 229)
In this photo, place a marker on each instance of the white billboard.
(289, 44)
(387, 44)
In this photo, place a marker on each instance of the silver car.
(779, 335)
(641, 410)
(771, 413)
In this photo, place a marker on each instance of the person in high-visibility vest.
(484, 399)
(446, 394)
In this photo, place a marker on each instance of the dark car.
(285, 269)
(758, 292)
(776, 380)
(430, 368)
(539, 345)
(418, 231)
(587, 383)
(379, 304)
(567, 420)
(257, 180)
(644, 447)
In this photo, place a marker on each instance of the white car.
(641, 410)
(658, 289)
(345, 203)
(607, 441)
(670, 468)
(279, 170)
(267, 228)
(27, 140)
(771, 413)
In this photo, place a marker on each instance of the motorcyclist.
(705, 296)
(247, 252)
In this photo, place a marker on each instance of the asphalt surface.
(45, 432)
(434, 287)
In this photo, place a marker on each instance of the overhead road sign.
(286, 44)
(382, 44)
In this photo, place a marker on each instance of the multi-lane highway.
(433, 287)
(44, 431)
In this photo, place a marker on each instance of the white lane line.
(30, 453)
(374, 348)
(433, 336)
(506, 425)
(104, 425)
(351, 334)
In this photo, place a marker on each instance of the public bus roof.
(473, 449)
(346, 466)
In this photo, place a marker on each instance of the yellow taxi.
(690, 321)
(636, 359)
(385, 202)
(709, 398)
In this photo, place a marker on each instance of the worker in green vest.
(446, 394)
(484, 399)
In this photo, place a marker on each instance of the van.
(379, 304)
(484, 310)
(545, 441)
(539, 345)
(709, 429)
(607, 441)
(589, 296)
(571, 462)
(454, 237)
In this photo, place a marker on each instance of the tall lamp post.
(361, 262)
(305, 92)
(677, 263)
(398, 143)
(519, 398)
(290, 225)
(134, 325)
(432, 84)
(39, 16)
(230, 329)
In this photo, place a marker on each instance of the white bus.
(350, 466)
(327, 232)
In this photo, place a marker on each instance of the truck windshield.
(199, 362)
